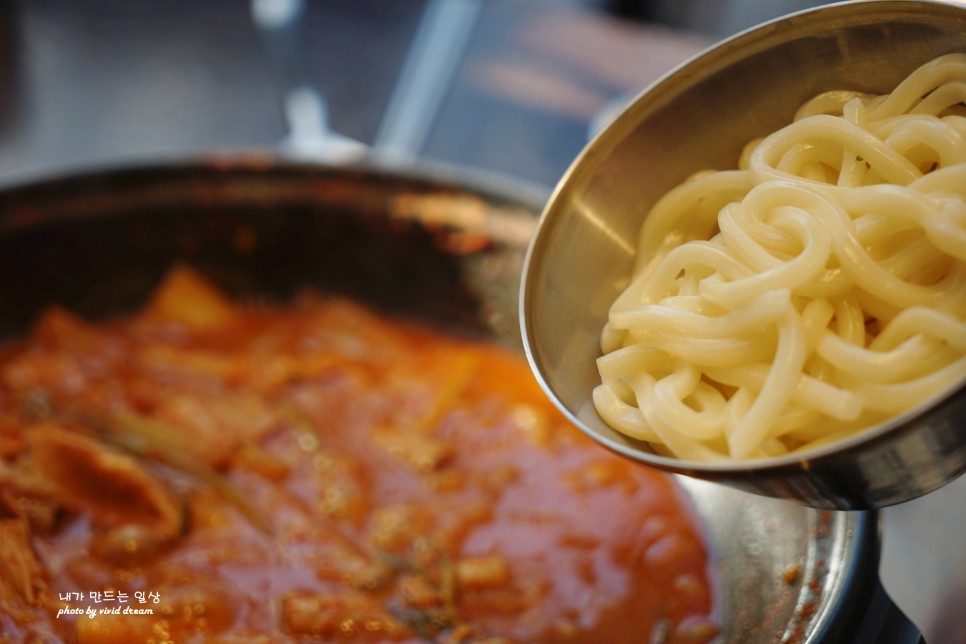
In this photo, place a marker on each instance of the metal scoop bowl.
(699, 116)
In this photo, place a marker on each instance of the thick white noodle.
(811, 294)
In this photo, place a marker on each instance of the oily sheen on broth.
(317, 472)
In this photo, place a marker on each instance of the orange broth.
(204, 471)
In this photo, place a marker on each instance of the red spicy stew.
(205, 471)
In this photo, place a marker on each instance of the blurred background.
(503, 86)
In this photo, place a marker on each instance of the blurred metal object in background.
(305, 108)
(426, 77)
(425, 80)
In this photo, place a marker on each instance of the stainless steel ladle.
(697, 117)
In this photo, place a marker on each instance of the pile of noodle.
(816, 291)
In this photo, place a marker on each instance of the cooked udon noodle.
(814, 292)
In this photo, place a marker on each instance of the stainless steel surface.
(699, 116)
(787, 573)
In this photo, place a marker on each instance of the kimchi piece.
(203, 471)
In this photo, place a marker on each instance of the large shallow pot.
(439, 250)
